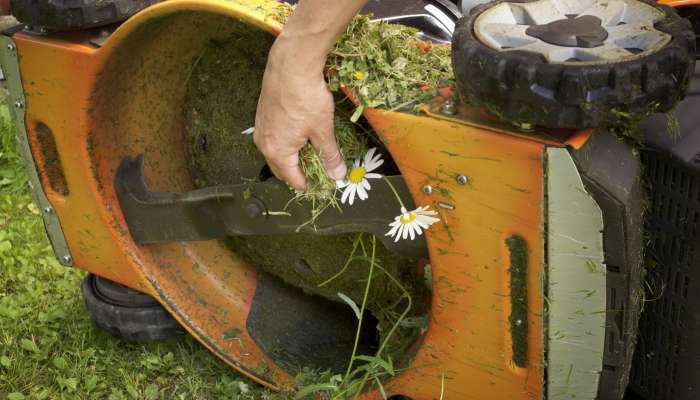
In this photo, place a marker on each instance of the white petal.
(371, 165)
(341, 183)
(411, 232)
(418, 230)
(403, 211)
(373, 176)
(365, 184)
(399, 233)
(356, 163)
(353, 192)
(427, 220)
(346, 193)
(369, 155)
(361, 192)
(422, 224)
(394, 228)
(248, 131)
(404, 235)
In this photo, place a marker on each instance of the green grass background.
(49, 348)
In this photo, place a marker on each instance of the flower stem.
(393, 189)
(358, 240)
(362, 309)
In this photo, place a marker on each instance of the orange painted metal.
(126, 98)
(680, 3)
(468, 339)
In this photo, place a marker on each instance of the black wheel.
(565, 64)
(125, 313)
(61, 15)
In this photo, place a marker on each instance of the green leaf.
(386, 365)
(132, 391)
(71, 383)
(15, 396)
(28, 345)
(5, 361)
(60, 363)
(90, 383)
(311, 389)
(151, 392)
(351, 303)
(357, 114)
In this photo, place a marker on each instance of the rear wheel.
(125, 313)
(565, 64)
(61, 15)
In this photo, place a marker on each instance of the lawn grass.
(48, 347)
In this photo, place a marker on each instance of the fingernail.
(339, 172)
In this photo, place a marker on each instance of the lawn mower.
(531, 284)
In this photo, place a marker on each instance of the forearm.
(312, 30)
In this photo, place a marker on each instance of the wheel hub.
(561, 31)
(585, 31)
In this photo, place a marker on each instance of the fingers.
(324, 141)
(287, 169)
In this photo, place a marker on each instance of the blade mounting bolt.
(448, 107)
(462, 179)
(10, 46)
(427, 189)
(67, 259)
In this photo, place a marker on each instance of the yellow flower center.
(357, 174)
(359, 74)
(406, 221)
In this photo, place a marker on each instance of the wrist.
(301, 51)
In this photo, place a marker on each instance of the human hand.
(296, 107)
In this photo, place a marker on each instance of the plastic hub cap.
(573, 31)
(585, 31)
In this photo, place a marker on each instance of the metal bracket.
(9, 61)
(255, 208)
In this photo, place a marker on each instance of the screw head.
(462, 179)
(427, 189)
(10, 46)
(43, 29)
(48, 209)
(18, 104)
(66, 259)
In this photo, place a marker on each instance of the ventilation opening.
(51, 168)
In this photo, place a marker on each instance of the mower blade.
(255, 208)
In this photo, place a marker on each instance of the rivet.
(43, 30)
(66, 259)
(519, 322)
(427, 189)
(18, 104)
(462, 179)
(10, 46)
(48, 209)
(448, 107)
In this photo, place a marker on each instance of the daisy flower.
(412, 223)
(248, 131)
(357, 182)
